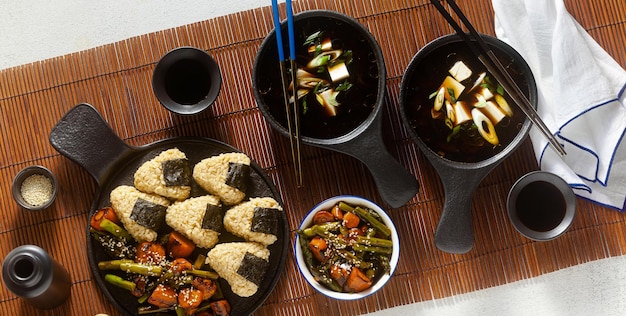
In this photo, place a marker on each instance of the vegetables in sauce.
(349, 250)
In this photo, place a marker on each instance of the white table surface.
(39, 29)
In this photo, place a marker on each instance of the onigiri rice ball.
(142, 214)
(225, 175)
(197, 218)
(167, 174)
(241, 264)
(255, 220)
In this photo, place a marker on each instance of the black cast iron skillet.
(460, 178)
(83, 136)
(361, 138)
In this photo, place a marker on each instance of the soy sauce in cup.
(186, 80)
(541, 205)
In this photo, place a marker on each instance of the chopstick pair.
(486, 56)
(292, 110)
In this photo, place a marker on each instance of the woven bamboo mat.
(116, 79)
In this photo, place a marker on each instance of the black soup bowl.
(449, 134)
(341, 111)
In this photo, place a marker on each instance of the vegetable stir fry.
(348, 248)
(158, 273)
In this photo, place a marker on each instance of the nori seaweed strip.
(176, 172)
(253, 268)
(265, 220)
(148, 214)
(238, 176)
(213, 218)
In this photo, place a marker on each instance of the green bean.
(141, 269)
(144, 310)
(203, 274)
(346, 207)
(120, 282)
(321, 229)
(378, 225)
(199, 262)
(373, 241)
(112, 264)
(306, 252)
(115, 230)
(364, 248)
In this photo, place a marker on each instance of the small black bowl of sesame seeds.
(34, 188)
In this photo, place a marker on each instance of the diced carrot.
(179, 246)
(322, 217)
(357, 281)
(353, 233)
(317, 245)
(220, 308)
(101, 214)
(179, 265)
(351, 220)
(150, 253)
(163, 296)
(189, 299)
(339, 274)
(206, 286)
(337, 212)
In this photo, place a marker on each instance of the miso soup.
(355, 95)
(462, 138)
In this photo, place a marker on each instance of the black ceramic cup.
(541, 205)
(186, 80)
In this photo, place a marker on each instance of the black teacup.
(541, 205)
(186, 80)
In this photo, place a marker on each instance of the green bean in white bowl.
(347, 247)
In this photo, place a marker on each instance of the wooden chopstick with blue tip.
(486, 56)
(293, 112)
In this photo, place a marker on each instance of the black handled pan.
(357, 133)
(460, 170)
(83, 136)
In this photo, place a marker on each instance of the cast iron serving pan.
(356, 130)
(460, 171)
(84, 137)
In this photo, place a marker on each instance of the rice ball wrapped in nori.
(167, 174)
(241, 264)
(141, 213)
(255, 220)
(198, 218)
(225, 175)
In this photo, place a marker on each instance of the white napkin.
(581, 96)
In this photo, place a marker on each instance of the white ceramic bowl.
(352, 200)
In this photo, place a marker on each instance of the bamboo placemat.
(116, 79)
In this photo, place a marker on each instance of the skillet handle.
(455, 231)
(84, 137)
(395, 184)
